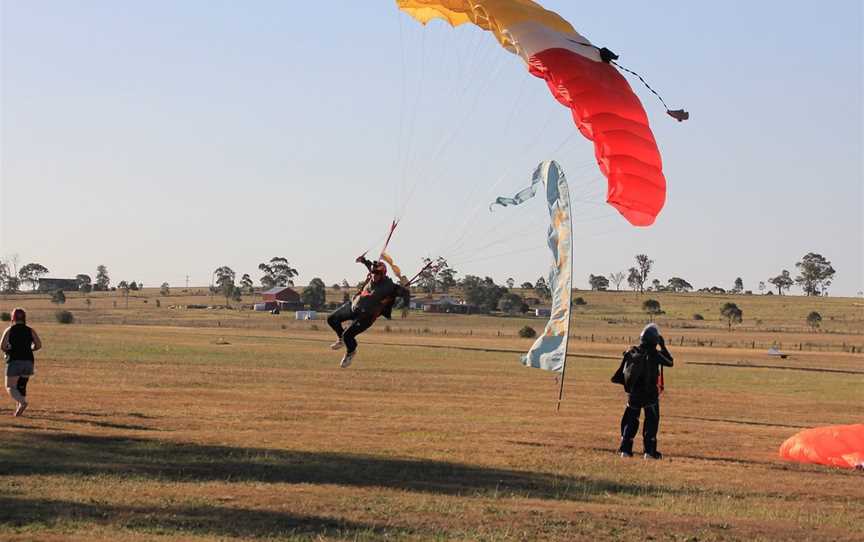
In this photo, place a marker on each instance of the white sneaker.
(337, 345)
(346, 359)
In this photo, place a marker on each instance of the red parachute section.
(835, 446)
(607, 112)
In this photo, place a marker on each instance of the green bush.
(698, 316)
(5, 316)
(64, 317)
(527, 332)
(580, 301)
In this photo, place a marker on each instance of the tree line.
(815, 274)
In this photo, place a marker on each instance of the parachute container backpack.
(583, 78)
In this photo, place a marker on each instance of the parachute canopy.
(578, 74)
(836, 446)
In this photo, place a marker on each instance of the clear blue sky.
(165, 139)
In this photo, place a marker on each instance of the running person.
(375, 299)
(18, 343)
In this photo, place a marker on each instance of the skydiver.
(375, 299)
(641, 376)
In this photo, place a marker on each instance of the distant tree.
(732, 313)
(133, 286)
(526, 286)
(225, 282)
(598, 282)
(643, 266)
(314, 295)
(84, 283)
(512, 303)
(617, 278)
(652, 307)
(761, 286)
(336, 286)
(246, 284)
(447, 278)
(656, 286)
(102, 279)
(542, 289)
(783, 281)
(277, 272)
(345, 284)
(677, 284)
(437, 275)
(510, 283)
(12, 285)
(31, 273)
(739, 286)
(58, 297)
(816, 274)
(123, 286)
(4, 274)
(165, 289)
(483, 293)
(814, 320)
(634, 279)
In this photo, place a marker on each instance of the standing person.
(641, 374)
(375, 299)
(18, 343)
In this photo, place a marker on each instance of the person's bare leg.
(12, 388)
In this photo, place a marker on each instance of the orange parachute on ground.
(836, 446)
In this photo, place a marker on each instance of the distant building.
(52, 285)
(449, 305)
(281, 293)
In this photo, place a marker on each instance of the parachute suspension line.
(609, 57)
(413, 114)
(679, 114)
(448, 139)
(479, 186)
(468, 223)
(403, 97)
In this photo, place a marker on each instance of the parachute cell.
(836, 446)
(604, 107)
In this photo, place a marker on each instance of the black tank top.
(21, 341)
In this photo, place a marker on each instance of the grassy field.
(210, 424)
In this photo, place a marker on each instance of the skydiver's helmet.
(379, 271)
(650, 335)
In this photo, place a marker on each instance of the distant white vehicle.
(774, 351)
(306, 315)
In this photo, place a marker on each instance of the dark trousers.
(361, 322)
(630, 426)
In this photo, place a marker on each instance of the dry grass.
(217, 424)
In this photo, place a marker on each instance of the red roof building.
(281, 293)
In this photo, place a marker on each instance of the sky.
(165, 139)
